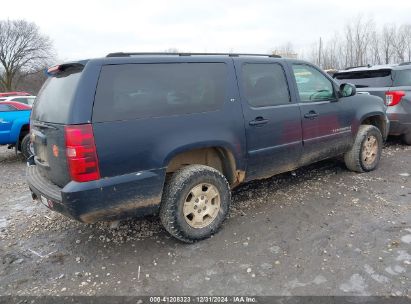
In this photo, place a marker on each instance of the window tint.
(54, 98)
(131, 91)
(6, 108)
(265, 84)
(312, 84)
(402, 78)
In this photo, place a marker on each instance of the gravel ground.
(320, 230)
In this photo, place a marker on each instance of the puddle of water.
(403, 255)
(406, 239)
(375, 276)
(3, 223)
(356, 285)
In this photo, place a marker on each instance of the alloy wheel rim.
(370, 149)
(201, 205)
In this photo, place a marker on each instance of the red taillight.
(53, 69)
(81, 153)
(393, 98)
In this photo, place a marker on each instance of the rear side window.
(132, 91)
(265, 84)
(22, 100)
(363, 79)
(6, 108)
(54, 98)
(402, 78)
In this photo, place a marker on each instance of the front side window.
(132, 91)
(312, 84)
(265, 84)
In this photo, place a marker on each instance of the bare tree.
(285, 50)
(23, 51)
(407, 37)
(360, 43)
(387, 42)
(172, 51)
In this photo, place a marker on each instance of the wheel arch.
(217, 156)
(378, 120)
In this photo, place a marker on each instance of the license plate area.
(46, 202)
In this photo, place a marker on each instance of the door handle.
(311, 115)
(258, 121)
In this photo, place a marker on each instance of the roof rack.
(121, 54)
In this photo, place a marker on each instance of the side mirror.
(347, 90)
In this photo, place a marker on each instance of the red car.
(6, 94)
(17, 105)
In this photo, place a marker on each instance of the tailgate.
(50, 152)
(50, 115)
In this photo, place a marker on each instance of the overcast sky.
(83, 29)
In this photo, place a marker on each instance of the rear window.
(131, 91)
(402, 78)
(368, 78)
(53, 101)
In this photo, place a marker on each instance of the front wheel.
(195, 203)
(365, 154)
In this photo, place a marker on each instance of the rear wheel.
(365, 154)
(25, 146)
(195, 203)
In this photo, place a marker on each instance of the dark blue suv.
(136, 134)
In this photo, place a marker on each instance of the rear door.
(326, 121)
(272, 118)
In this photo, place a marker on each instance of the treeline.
(24, 53)
(362, 42)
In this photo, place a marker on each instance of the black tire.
(406, 138)
(353, 158)
(176, 192)
(25, 146)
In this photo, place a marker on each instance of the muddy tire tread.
(171, 196)
(352, 158)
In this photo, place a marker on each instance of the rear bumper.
(400, 122)
(131, 195)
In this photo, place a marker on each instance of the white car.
(29, 100)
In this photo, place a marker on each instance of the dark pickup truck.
(135, 134)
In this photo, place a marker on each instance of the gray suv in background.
(390, 82)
